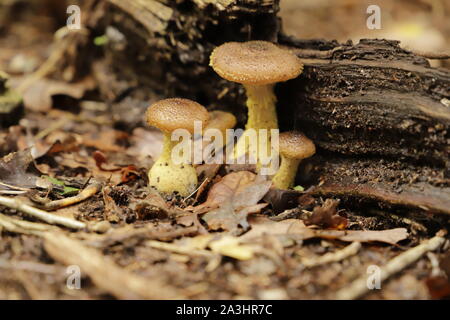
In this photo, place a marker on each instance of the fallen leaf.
(296, 228)
(326, 216)
(145, 143)
(105, 140)
(38, 97)
(232, 199)
(15, 170)
(224, 189)
(154, 206)
(438, 287)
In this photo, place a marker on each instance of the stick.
(359, 287)
(16, 204)
(83, 195)
(21, 226)
(339, 255)
(104, 272)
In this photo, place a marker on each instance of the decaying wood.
(371, 105)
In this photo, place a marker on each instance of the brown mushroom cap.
(255, 62)
(296, 145)
(176, 113)
(221, 120)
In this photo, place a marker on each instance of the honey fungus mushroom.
(294, 146)
(257, 65)
(168, 115)
(222, 121)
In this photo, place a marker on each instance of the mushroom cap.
(296, 145)
(221, 120)
(176, 113)
(255, 62)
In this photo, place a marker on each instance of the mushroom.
(294, 146)
(221, 121)
(257, 65)
(168, 115)
(218, 123)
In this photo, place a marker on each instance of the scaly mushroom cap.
(221, 120)
(255, 62)
(295, 145)
(176, 113)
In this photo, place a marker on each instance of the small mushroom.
(168, 115)
(219, 122)
(258, 65)
(294, 146)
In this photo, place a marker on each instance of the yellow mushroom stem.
(262, 114)
(285, 176)
(168, 177)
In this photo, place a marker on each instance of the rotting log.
(376, 111)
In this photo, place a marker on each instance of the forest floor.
(226, 241)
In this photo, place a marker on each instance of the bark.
(377, 113)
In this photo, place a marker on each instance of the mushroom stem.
(261, 101)
(167, 177)
(168, 145)
(262, 114)
(285, 176)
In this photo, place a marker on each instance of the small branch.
(105, 273)
(16, 204)
(359, 287)
(21, 226)
(83, 195)
(337, 256)
(179, 249)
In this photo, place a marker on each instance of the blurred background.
(422, 25)
(27, 27)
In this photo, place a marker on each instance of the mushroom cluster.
(257, 65)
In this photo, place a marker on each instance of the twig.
(83, 195)
(359, 287)
(16, 204)
(104, 272)
(339, 255)
(29, 266)
(21, 226)
(178, 249)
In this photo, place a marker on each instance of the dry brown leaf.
(325, 216)
(296, 228)
(38, 97)
(230, 185)
(234, 197)
(145, 143)
(105, 140)
(14, 170)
